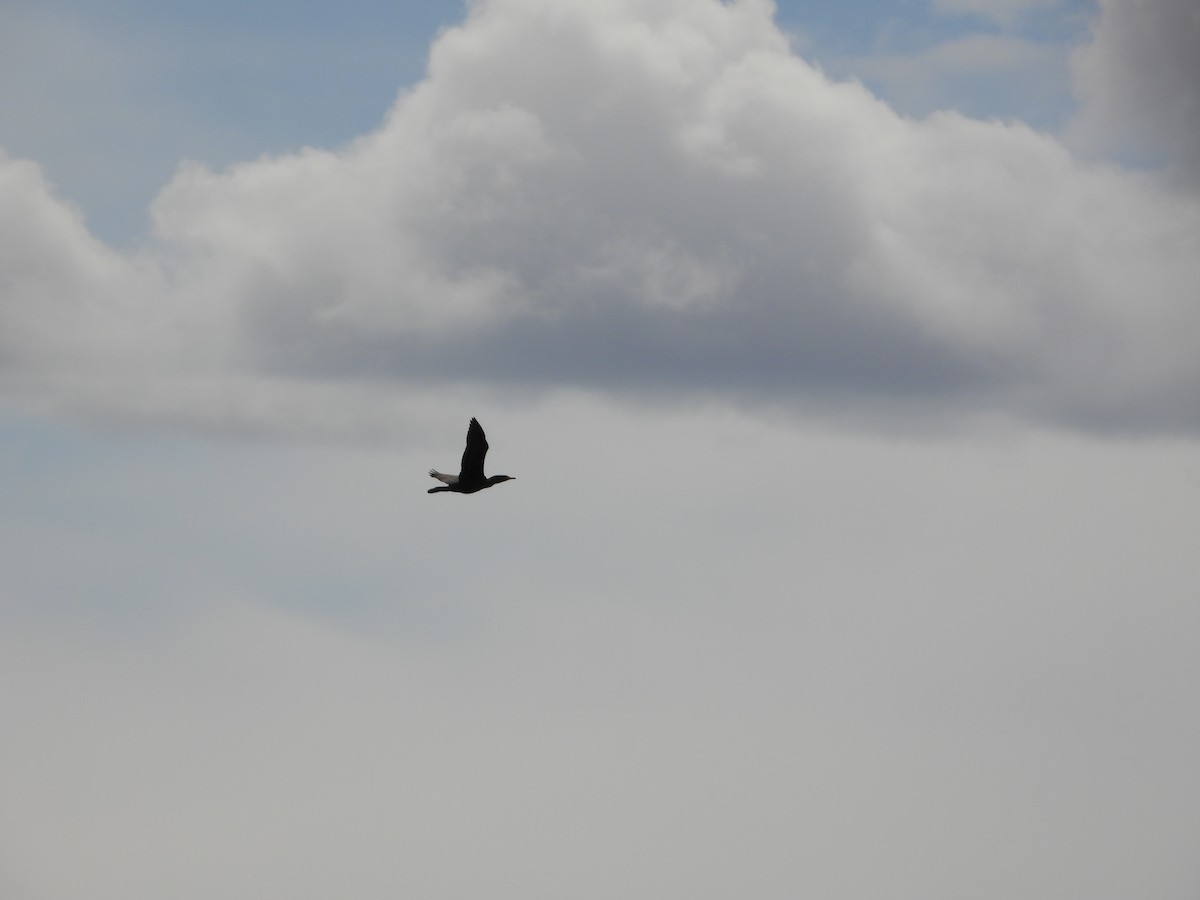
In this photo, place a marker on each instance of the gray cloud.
(662, 200)
(1137, 82)
(811, 664)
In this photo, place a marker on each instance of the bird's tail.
(442, 476)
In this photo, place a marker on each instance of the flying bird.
(470, 477)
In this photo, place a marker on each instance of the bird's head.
(496, 479)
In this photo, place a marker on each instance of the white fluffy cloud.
(649, 196)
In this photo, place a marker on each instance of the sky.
(844, 355)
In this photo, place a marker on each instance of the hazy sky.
(845, 355)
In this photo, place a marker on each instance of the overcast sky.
(846, 358)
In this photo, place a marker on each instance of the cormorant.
(470, 477)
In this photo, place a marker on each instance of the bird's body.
(470, 477)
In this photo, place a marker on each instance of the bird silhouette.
(470, 477)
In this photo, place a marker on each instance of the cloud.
(1137, 82)
(651, 198)
(924, 655)
(58, 285)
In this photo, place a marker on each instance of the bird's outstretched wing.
(477, 448)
